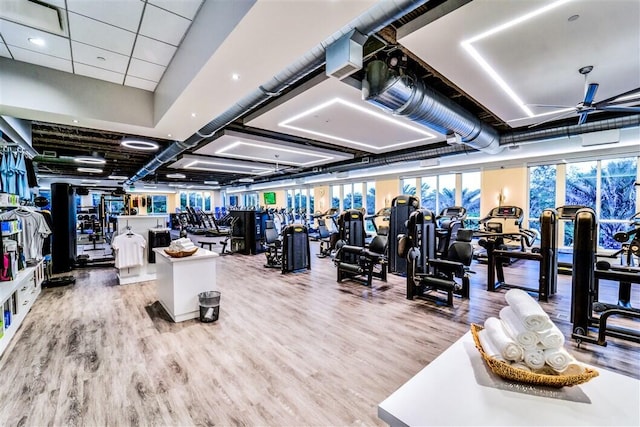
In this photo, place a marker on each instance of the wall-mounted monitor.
(269, 198)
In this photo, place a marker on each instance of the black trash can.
(209, 306)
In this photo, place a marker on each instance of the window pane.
(581, 184)
(618, 195)
(346, 197)
(357, 195)
(409, 186)
(183, 201)
(471, 193)
(371, 198)
(542, 190)
(312, 207)
(207, 201)
(447, 193)
(199, 200)
(428, 190)
(335, 196)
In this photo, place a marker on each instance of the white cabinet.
(18, 296)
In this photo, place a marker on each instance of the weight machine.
(401, 207)
(585, 287)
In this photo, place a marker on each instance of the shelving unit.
(18, 296)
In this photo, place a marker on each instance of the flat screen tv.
(269, 198)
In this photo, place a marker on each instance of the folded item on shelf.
(558, 358)
(516, 329)
(552, 337)
(507, 347)
(528, 310)
(488, 345)
(534, 358)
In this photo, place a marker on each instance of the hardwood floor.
(287, 350)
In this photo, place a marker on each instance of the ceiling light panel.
(99, 34)
(162, 25)
(123, 14)
(184, 8)
(43, 60)
(212, 164)
(335, 120)
(517, 43)
(244, 146)
(343, 119)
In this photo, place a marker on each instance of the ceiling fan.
(588, 106)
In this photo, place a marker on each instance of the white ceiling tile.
(162, 25)
(121, 13)
(4, 51)
(153, 51)
(145, 70)
(186, 8)
(89, 55)
(92, 32)
(140, 83)
(98, 73)
(36, 58)
(18, 35)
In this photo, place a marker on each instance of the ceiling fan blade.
(552, 118)
(619, 109)
(613, 98)
(550, 106)
(590, 93)
(583, 117)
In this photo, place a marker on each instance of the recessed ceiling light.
(119, 177)
(211, 182)
(169, 135)
(193, 114)
(90, 181)
(235, 76)
(75, 120)
(226, 151)
(176, 175)
(36, 41)
(90, 160)
(90, 170)
(150, 186)
(137, 144)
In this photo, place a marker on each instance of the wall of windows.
(542, 192)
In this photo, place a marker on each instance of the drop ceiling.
(169, 68)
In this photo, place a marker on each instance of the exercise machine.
(587, 312)
(448, 222)
(546, 256)
(363, 264)
(427, 275)
(295, 248)
(401, 207)
(273, 245)
(505, 224)
(328, 232)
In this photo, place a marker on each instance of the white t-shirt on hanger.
(129, 249)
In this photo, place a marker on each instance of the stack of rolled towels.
(182, 244)
(525, 337)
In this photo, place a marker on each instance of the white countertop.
(457, 388)
(200, 254)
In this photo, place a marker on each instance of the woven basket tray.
(506, 371)
(180, 254)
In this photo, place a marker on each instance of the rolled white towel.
(552, 337)
(574, 368)
(528, 310)
(521, 365)
(488, 346)
(534, 358)
(558, 358)
(516, 329)
(507, 347)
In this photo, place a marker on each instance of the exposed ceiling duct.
(566, 131)
(404, 95)
(373, 20)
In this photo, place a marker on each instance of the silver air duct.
(374, 19)
(412, 98)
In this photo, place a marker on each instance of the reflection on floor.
(95, 251)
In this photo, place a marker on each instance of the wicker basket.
(506, 371)
(180, 254)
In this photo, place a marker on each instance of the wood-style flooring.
(288, 350)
